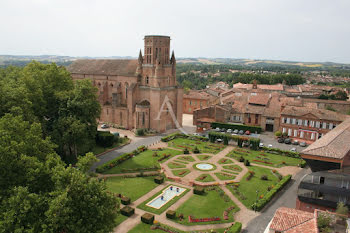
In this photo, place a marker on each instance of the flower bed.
(261, 161)
(191, 219)
(227, 211)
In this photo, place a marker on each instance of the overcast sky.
(296, 30)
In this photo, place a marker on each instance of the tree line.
(46, 122)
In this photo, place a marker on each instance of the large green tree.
(39, 193)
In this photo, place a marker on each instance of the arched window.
(126, 90)
(147, 80)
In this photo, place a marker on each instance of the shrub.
(282, 152)
(127, 211)
(236, 228)
(302, 163)
(196, 150)
(171, 214)
(225, 141)
(263, 177)
(284, 134)
(246, 162)
(278, 133)
(147, 218)
(159, 179)
(125, 200)
(268, 196)
(255, 143)
(241, 159)
(198, 190)
(186, 151)
(104, 139)
(140, 132)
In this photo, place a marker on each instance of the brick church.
(140, 93)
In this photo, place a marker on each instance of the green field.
(131, 187)
(211, 204)
(204, 147)
(264, 158)
(248, 188)
(164, 207)
(143, 160)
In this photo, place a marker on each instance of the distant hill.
(6, 60)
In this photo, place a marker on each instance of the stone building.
(194, 100)
(308, 124)
(133, 93)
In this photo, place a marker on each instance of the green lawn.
(204, 147)
(143, 160)
(246, 192)
(211, 204)
(120, 218)
(264, 158)
(99, 149)
(146, 228)
(208, 178)
(234, 168)
(203, 157)
(173, 165)
(164, 207)
(131, 187)
(225, 161)
(186, 158)
(224, 176)
(180, 172)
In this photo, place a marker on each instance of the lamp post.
(256, 200)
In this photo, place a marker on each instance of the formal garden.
(192, 181)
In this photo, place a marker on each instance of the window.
(312, 124)
(305, 123)
(249, 119)
(330, 125)
(317, 124)
(300, 121)
(294, 121)
(190, 102)
(288, 120)
(107, 111)
(289, 132)
(324, 125)
(143, 118)
(147, 80)
(283, 120)
(295, 133)
(256, 119)
(302, 134)
(284, 130)
(312, 136)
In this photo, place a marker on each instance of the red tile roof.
(289, 220)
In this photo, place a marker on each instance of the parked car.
(269, 146)
(223, 130)
(219, 140)
(196, 134)
(293, 149)
(247, 132)
(241, 132)
(302, 144)
(235, 131)
(229, 131)
(261, 145)
(280, 140)
(287, 141)
(295, 142)
(104, 126)
(217, 129)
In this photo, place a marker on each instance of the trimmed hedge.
(125, 200)
(147, 218)
(198, 190)
(171, 214)
(283, 152)
(105, 139)
(127, 211)
(159, 179)
(114, 162)
(236, 228)
(181, 135)
(252, 129)
(262, 202)
(238, 138)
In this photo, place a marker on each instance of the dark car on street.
(280, 140)
(287, 141)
